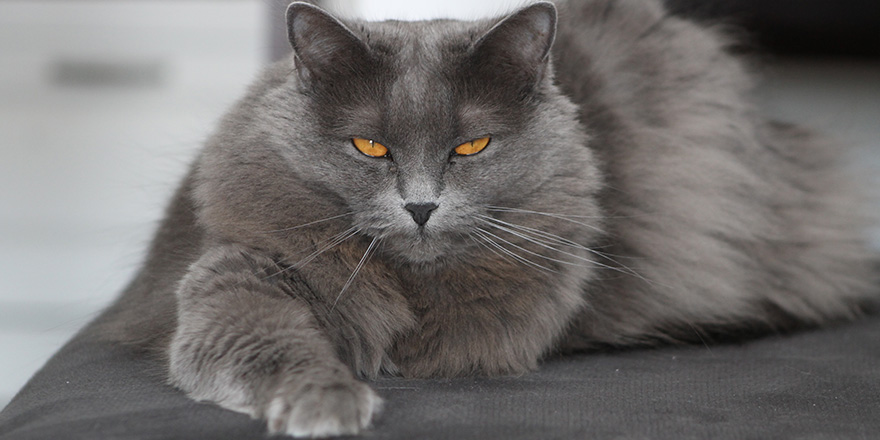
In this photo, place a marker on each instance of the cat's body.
(629, 195)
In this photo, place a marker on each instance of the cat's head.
(414, 128)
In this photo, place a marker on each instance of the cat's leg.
(248, 341)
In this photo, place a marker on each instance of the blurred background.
(104, 103)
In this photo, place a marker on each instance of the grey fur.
(630, 195)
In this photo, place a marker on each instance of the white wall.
(86, 166)
(421, 10)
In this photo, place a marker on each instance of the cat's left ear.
(519, 45)
(323, 46)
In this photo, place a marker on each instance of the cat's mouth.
(423, 246)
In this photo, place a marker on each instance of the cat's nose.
(421, 212)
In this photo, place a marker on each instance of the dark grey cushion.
(821, 384)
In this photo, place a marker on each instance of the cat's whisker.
(328, 244)
(547, 245)
(292, 228)
(485, 246)
(485, 235)
(529, 211)
(516, 257)
(523, 230)
(327, 241)
(555, 260)
(336, 241)
(357, 269)
(555, 214)
(622, 269)
(553, 238)
(558, 216)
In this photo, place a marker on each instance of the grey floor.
(85, 167)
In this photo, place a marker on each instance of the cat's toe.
(323, 410)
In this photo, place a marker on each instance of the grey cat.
(447, 198)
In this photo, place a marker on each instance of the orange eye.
(369, 147)
(472, 147)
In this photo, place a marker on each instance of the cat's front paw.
(323, 409)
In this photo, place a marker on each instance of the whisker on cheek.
(568, 218)
(486, 236)
(552, 241)
(292, 228)
(367, 254)
(330, 243)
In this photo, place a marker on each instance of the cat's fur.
(630, 195)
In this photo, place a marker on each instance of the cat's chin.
(422, 251)
(421, 259)
(419, 255)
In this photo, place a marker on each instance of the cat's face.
(415, 130)
(422, 127)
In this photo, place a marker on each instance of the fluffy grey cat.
(448, 198)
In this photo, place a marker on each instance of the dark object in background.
(842, 28)
(99, 72)
(846, 28)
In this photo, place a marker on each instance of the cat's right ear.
(323, 46)
(517, 49)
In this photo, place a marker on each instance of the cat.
(448, 198)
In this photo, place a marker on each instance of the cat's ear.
(323, 45)
(518, 47)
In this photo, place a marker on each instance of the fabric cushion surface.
(814, 385)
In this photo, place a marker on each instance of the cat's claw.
(323, 410)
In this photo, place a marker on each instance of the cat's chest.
(468, 324)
